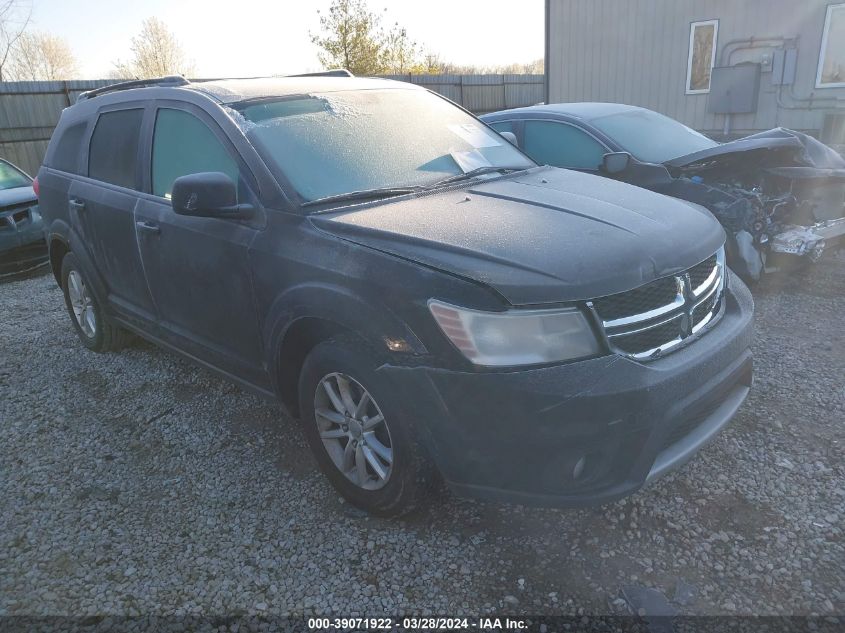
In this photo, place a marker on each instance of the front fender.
(366, 316)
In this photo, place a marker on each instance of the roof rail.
(171, 80)
(334, 72)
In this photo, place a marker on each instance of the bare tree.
(516, 68)
(350, 38)
(432, 64)
(399, 53)
(155, 53)
(15, 16)
(41, 56)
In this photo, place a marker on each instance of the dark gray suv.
(427, 300)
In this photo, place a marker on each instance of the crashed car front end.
(780, 195)
(23, 247)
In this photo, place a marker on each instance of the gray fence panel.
(29, 110)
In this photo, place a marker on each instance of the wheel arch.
(305, 316)
(58, 245)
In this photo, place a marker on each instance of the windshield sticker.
(470, 159)
(474, 135)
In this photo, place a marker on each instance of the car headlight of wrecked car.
(516, 337)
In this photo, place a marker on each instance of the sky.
(263, 37)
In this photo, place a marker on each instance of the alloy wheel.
(82, 304)
(354, 431)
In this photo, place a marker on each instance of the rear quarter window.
(113, 153)
(68, 147)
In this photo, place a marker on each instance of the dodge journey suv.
(431, 304)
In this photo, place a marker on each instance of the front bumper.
(585, 432)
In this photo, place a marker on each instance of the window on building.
(184, 145)
(562, 145)
(702, 55)
(113, 155)
(831, 72)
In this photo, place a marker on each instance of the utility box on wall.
(734, 89)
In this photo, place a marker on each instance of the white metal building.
(724, 67)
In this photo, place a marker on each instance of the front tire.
(93, 329)
(361, 436)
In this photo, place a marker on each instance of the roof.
(583, 110)
(233, 90)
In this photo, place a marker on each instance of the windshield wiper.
(472, 173)
(389, 192)
(364, 194)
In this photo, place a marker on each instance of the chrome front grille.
(648, 321)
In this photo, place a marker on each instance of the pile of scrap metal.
(23, 248)
(779, 194)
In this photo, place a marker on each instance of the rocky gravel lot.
(135, 483)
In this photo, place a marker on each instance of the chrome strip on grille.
(627, 335)
(650, 314)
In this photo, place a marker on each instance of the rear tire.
(370, 452)
(94, 330)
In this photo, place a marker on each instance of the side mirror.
(510, 137)
(208, 195)
(616, 162)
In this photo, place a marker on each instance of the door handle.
(76, 204)
(149, 227)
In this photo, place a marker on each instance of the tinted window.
(184, 145)
(562, 145)
(113, 155)
(11, 177)
(650, 136)
(66, 155)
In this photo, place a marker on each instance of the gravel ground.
(135, 483)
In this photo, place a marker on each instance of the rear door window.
(113, 153)
(182, 145)
(562, 145)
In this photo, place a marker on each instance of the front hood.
(778, 147)
(547, 236)
(16, 196)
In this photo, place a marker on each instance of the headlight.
(517, 337)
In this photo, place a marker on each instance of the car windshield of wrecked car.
(652, 137)
(338, 143)
(10, 177)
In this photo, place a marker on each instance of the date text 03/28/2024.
(423, 623)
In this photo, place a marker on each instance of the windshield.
(652, 137)
(342, 142)
(11, 177)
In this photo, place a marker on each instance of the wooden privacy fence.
(29, 110)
